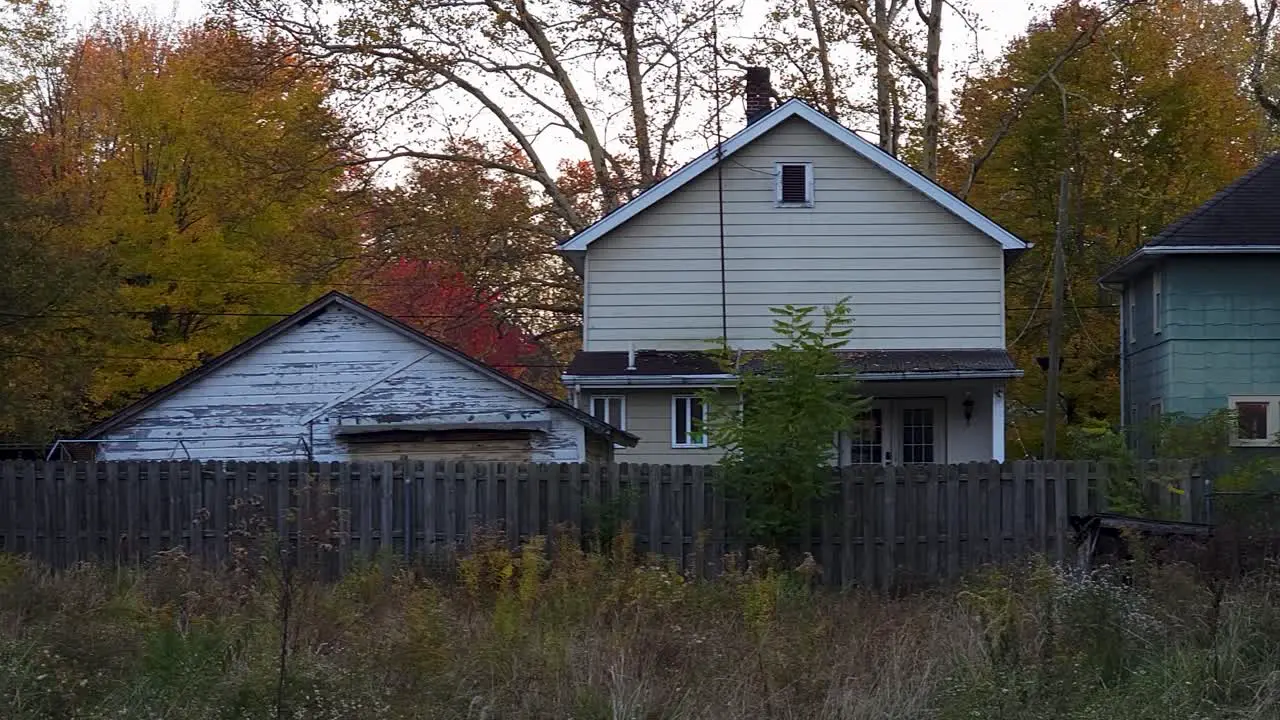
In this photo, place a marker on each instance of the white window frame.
(808, 186)
(620, 423)
(1132, 300)
(1157, 302)
(688, 417)
(1273, 420)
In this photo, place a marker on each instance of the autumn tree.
(492, 229)
(1127, 115)
(444, 303)
(43, 376)
(201, 175)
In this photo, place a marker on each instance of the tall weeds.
(596, 635)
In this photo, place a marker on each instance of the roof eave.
(1125, 269)
(664, 381)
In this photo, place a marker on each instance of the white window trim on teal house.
(1132, 297)
(1157, 302)
(691, 440)
(1273, 420)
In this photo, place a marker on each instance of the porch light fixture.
(968, 408)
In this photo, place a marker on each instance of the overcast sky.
(999, 21)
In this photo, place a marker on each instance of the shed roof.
(335, 298)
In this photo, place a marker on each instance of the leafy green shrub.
(776, 431)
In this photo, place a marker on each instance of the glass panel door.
(920, 427)
(866, 438)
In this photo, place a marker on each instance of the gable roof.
(797, 109)
(334, 298)
(1242, 218)
(1246, 212)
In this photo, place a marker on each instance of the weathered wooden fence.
(879, 526)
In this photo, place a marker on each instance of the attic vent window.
(795, 185)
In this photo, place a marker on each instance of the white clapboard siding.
(256, 407)
(918, 277)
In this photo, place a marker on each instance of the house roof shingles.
(1247, 212)
(869, 363)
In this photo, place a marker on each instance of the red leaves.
(439, 301)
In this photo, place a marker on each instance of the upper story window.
(1157, 302)
(1257, 420)
(794, 185)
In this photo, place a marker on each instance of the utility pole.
(1055, 321)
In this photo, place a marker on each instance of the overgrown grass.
(594, 636)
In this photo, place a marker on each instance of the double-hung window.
(688, 413)
(611, 409)
(1257, 420)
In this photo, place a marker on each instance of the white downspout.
(997, 423)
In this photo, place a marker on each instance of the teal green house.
(1200, 322)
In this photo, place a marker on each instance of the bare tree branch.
(1264, 25)
(1082, 39)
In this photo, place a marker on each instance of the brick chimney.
(759, 93)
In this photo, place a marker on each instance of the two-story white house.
(796, 208)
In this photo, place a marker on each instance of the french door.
(896, 432)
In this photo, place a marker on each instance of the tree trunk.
(635, 76)
(824, 60)
(885, 109)
(535, 30)
(932, 99)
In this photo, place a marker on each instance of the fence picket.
(931, 501)
(654, 489)
(1080, 487)
(870, 550)
(699, 535)
(953, 521)
(9, 478)
(973, 530)
(847, 508)
(1060, 510)
(889, 551)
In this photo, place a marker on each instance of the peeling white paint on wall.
(284, 400)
